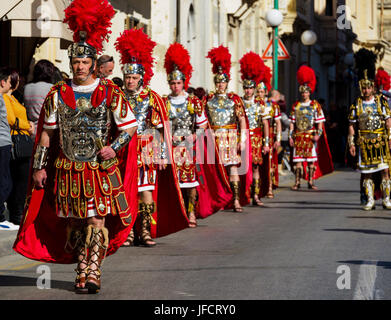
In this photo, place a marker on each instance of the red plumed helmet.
(252, 68)
(267, 77)
(136, 47)
(306, 77)
(178, 59)
(383, 79)
(91, 16)
(221, 60)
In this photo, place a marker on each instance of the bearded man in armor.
(370, 137)
(154, 151)
(227, 118)
(252, 69)
(84, 130)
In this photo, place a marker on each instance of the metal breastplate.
(221, 111)
(253, 112)
(305, 117)
(80, 127)
(370, 119)
(142, 113)
(182, 121)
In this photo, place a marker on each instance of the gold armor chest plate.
(305, 117)
(221, 111)
(81, 127)
(370, 119)
(254, 113)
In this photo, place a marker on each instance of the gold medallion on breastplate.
(83, 104)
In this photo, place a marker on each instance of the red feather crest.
(383, 79)
(220, 57)
(135, 46)
(92, 16)
(306, 75)
(252, 67)
(177, 55)
(267, 77)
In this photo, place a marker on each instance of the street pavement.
(302, 245)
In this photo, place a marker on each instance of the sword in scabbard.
(106, 164)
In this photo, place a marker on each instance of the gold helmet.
(365, 82)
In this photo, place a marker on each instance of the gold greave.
(146, 211)
(369, 191)
(192, 196)
(298, 175)
(256, 186)
(235, 187)
(311, 172)
(386, 188)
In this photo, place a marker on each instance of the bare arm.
(265, 122)
(352, 147)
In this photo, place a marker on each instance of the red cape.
(324, 165)
(42, 234)
(246, 166)
(214, 191)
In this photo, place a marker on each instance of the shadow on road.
(359, 217)
(18, 281)
(366, 231)
(384, 264)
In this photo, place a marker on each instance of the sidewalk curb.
(7, 239)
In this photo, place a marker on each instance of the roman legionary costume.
(167, 213)
(252, 69)
(224, 111)
(270, 166)
(305, 117)
(373, 136)
(186, 114)
(83, 119)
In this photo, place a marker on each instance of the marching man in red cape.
(161, 209)
(252, 69)
(227, 118)
(83, 136)
(275, 133)
(186, 115)
(188, 124)
(306, 132)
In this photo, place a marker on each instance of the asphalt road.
(303, 245)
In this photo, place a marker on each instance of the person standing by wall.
(36, 91)
(17, 119)
(5, 150)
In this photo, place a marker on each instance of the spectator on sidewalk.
(5, 150)
(17, 118)
(104, 66)
(285, 122)
(36, 91)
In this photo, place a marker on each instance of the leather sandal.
(129, 242)
(192, 220)
(258, 202)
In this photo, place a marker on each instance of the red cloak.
(42, 234)
(324, 165)
(170, 214)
